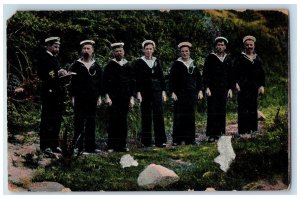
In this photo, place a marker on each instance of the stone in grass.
(156, 175)
(46, 187)
(227, 154)
(128, 161)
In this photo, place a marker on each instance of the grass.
(264, 157)
(256, 159)
(104, 172)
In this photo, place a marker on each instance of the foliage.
(22, 115)
(268, 153)
(26, 31)
(265, 156)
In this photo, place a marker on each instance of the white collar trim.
(250, 58)
(121, 63)
(149, 62)
(49, 52)
(189, 63)
(221, 58)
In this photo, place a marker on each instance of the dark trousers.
(117, 124)
(216, 114)
(184, 119)
(247, 110)
(51, 118)
(152, 111)
(84, 124)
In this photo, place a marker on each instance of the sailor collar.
(88, 65)
(49, 53)
(121, 63)
(221, 58)
(250, 58)
(188, 64)
(149, 62)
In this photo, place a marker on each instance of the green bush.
(22, 116)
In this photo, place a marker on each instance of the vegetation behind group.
(27, 30)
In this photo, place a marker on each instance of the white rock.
(210, 189)
(128, 161)
(227, 154)
(156, 175)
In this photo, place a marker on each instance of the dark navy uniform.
(52, 101)
(85, 88)
(250, 76)
(218, 77)
(185, 83)
(119, 84)
(150, 82)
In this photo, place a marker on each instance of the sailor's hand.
(174, 97)
(139, 97)
(229, 93)
(261, 90)
(200, 95)
(208, 93)
(108, 100)
(99, 101)
(62, 72)
(237, 87)
(131, 102)
(164, 96)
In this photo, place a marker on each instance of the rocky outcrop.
(23, 158)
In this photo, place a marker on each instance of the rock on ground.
(46, 187)
(128, 161)
(227, 154)
(156, 175)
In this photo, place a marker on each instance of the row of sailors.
(122, 81)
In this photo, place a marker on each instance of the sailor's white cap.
(249, 37)
(148, 42)
(55, 40)
(184, 44)
(87, 42)
(221, 39)
(117, 45)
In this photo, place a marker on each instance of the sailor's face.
(54, 49)
(148, 50)
(87, 50)
(185, 53)
(119, 53)
(249, 46)
(221, 47)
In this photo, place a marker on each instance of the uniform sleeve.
(74, 80)
(199, 80)
(48, 73)
(236, 70)
(261, 74)
(133, 81)
(206, 74)
(106, 80)
(100, 82)
(172, 78)
(45, 72)
(161, 76)
(230, 75)
(42, 71)
(137, 75)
